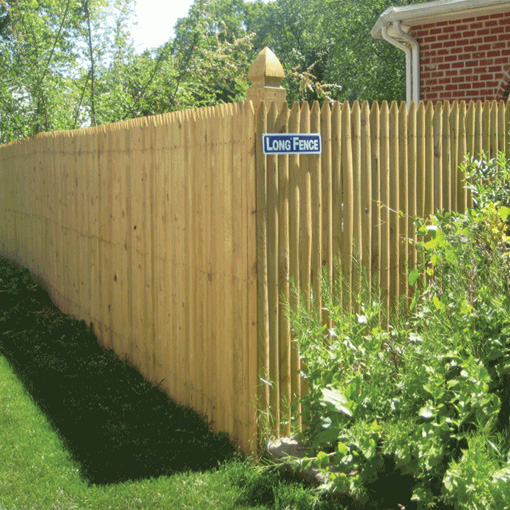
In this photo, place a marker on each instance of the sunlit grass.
(80, 428)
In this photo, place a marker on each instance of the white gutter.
(415, 64)
(439, 10)
(412, 51)
(394, 23)
(407, 51)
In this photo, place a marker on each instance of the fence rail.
(178, 239)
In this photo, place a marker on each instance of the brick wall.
(465, 59)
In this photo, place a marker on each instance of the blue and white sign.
(292, 143)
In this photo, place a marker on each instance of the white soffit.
(440, 10)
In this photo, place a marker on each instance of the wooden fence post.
(266, 74)
(268, 97)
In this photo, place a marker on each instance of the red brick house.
(455, 49)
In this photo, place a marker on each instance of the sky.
(156, 20)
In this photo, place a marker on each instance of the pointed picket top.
(266, 74)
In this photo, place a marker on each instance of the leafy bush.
(423, 405)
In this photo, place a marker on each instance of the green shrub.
(416, 404)
(480, 478)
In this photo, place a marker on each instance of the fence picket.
(436, 154)
(412, 176)
(486, 127)
(394, 205)
(347, 205)
(285, 338)
(305, 196)
(501, 127)
(262, 277)
(454, 159)
(336, 178)
(316, 211)
(366, 191)
(384, 204)
(294, 249)
(357, 216)
(375, 177)
(445, 169)
(403, 198)
(462, 150)
(181, 241)
(429, 185)
(479, 123)
(327, 190)
(272, 265)
(494, 129)
(248, 435)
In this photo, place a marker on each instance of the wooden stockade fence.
(146, 229)
(178, 239)
(342, 208)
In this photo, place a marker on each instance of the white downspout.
(415, 50)
(407, 51)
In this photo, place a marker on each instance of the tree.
(51, 58)
(70, 63)
(205, 64)
(31, 50)
(330, 40)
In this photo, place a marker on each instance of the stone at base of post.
(266, 74)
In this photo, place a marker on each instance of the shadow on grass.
(116, 425)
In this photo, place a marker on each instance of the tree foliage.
(71, 63)
(205, 64)
(331, 39)
(52, 58)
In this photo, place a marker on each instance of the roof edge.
(439, 10)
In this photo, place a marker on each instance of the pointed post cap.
(266, 74)
(266, 69)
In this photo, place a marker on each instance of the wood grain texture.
(181, 242)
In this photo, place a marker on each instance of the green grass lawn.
(80, 428)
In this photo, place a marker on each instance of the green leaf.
(427, 412)
(504, 212)
(413, 277)
(353, 389)
(335, 399)
(306, 463)
(333, 396)
(419, 494)
(414, 302)
(327, 436)
(342, 449)
(322, 460)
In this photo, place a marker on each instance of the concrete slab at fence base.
(286, 450)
